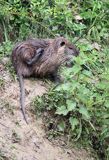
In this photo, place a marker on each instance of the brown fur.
(56, 52)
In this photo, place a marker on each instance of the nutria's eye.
(62, 44)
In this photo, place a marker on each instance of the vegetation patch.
(81, 104)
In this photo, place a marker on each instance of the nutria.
(40, 58)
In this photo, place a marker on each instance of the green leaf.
(62, 110)
(64, 87)
(70, 105)
(74, 122)
(84, 112)
(87, 73)
(76, 69)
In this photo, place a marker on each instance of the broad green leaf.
(84, 112)
(62, 110)
(87, 73)
(103, 85)
(64, 87)
(76, 69)
(74, 122)
(71, 105)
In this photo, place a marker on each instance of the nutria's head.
(66, 49)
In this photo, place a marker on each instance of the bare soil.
(19, 141)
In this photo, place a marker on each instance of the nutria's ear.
(59, 42)
(62, 43)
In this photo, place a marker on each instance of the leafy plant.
(82, 100)
(42, 18)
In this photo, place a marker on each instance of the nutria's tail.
(22, 96)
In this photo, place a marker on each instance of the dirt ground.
(19, 141)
